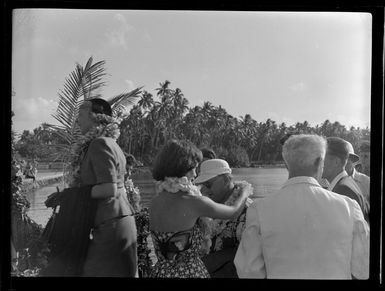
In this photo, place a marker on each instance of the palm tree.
(146, 101)
(248, 128)
(265, 131)
(83, 83)
(43, 133)
(191, 126)
(207, 107)
(163, 91)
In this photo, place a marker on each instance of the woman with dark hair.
(178, 212)
(101, 162)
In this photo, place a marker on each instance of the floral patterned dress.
(178, 254)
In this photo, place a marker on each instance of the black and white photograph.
(193, 144)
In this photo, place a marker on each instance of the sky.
(286, 66)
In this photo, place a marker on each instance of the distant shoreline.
(140, 174)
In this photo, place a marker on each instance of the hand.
(53, 199)
(246, 189)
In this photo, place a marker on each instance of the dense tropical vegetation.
(241, 141)
(154, 119)
(28, 250)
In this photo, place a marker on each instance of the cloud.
(131, 84)
(117, 39)
(31, 112)
(119, 36)
(298, 87)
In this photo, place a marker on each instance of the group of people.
(204, 224)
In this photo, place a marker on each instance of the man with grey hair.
(304, 231)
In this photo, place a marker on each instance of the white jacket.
(304, 232)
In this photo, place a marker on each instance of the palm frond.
(122, 101)
(80, 84)
(65, 134)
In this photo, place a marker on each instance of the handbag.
(68, 230)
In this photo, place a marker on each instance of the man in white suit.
(304, 231)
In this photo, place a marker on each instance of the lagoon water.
(263, 180)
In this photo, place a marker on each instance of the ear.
(319, 167)
(318, 162)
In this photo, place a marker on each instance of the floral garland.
(142, 221)
(174, 185)
(222, 229)
(133, 194)
(145, 264)
(107, 126)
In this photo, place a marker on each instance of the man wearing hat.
(337, 155)
(361, 179)
(216, 183)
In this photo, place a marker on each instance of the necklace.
(174, 185)
(107, 126)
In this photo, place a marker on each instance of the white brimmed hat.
(212, 168)
(352, 155)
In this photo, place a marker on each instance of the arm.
(104, 190)
(208, 208)
(249, 258)
(104, 166)
(360, 245)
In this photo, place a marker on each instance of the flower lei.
(110, 129)
(145, 264)
(222, 229)
(133, 194)
(174, 185)
(142, 221)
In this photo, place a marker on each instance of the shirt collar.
(336, 179)
(301, 180)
